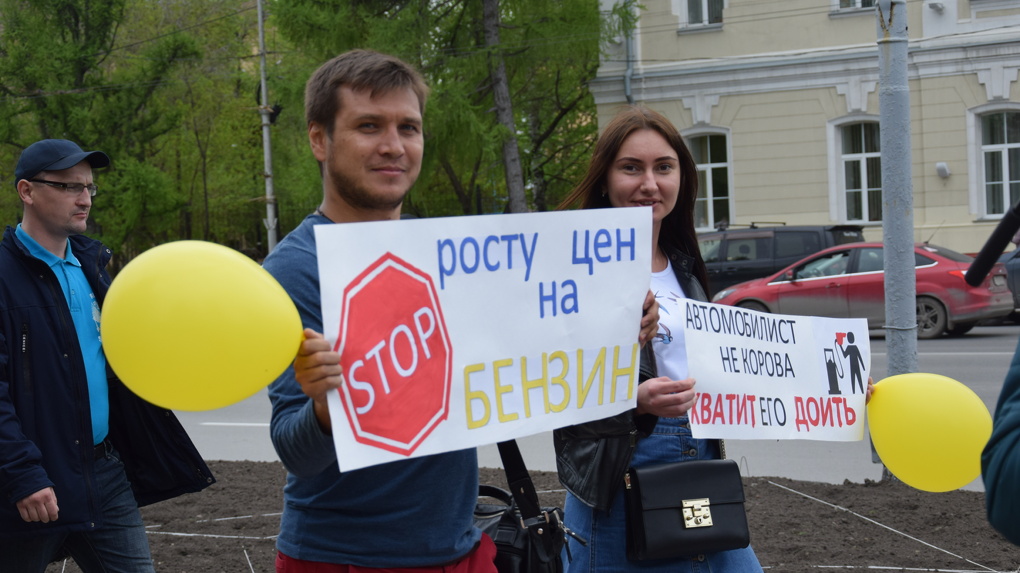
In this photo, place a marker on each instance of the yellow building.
(779, 102)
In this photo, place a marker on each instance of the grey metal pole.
(897, 191)
(267, 149)
(897, 188)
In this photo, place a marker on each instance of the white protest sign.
(460, 332)
(774, 376)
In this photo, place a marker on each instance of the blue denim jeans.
(120, 546)
(606, 531)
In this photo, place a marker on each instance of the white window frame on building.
(978, 6)
(844, 5)
(858, 200)
(995, 159)
(715, 177)
(700, 13)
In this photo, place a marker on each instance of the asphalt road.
(979, 360)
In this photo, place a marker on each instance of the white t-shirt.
(668, 344)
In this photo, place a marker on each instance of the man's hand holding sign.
(317, 369)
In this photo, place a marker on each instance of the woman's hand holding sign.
(317, 369)
(666, 398)
(661, 396)
(649, 318)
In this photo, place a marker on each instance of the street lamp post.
(267, 150)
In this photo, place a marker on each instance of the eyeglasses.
(70, 188)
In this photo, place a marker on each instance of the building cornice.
(823, 68)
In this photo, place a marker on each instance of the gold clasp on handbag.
(697, 513)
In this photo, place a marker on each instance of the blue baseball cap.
(55, 155)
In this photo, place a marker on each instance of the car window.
(797, 243)
(747, 249)
(829, 265)
(710, 249)
(922, 260)
(870, 260)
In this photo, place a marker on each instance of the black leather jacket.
(591, 458)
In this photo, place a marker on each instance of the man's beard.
(361, 198)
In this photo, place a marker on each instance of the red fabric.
(481, 560)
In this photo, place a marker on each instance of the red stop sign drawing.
(396, 356)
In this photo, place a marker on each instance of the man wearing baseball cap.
(79, 453)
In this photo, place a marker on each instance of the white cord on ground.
(881, 525)
(210, 535)
(247, 558)
(886, 568)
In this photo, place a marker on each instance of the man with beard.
(364, 114)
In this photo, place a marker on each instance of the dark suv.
(735, 255)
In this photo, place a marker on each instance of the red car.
(848, 281)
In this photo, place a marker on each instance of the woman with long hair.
(640, 159)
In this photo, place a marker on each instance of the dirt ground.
(795, 525)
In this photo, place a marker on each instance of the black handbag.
(528, 538)
(682, 509)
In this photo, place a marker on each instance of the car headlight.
(723, 294)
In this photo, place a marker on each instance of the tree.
(504, 108)
(61, 76)
(549, 50)
(168, 89)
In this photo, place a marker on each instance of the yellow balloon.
(929, 430)
(192, 325)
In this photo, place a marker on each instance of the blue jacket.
(45, 423)
(407, 513)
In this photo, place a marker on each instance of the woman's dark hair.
(677, 229)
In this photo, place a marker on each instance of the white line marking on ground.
(239, 517)
(179, 534)
(881, 525)
(1001, 353)
(893, 568)
(237, 424)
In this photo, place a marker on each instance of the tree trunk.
(504, 109)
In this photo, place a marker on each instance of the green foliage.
(622, 18)
(52, 51)
(135, 200)
(63, 76)
(296, 179)
(551, 52)
(170, 91)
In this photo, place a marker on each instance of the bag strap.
(517, 476)
(523, 490)
(496, 493)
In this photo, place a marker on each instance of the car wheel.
(750, 305)
(931, 318)
(960, 329)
